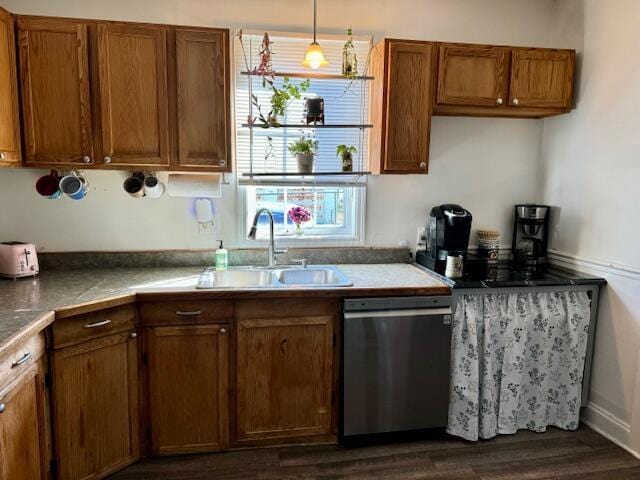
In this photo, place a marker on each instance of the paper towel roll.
(195, 185)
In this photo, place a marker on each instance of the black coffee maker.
(449, 230)
(530, 236)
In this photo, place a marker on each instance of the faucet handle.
(302, 261)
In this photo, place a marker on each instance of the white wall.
(591, 169)
(485, 164)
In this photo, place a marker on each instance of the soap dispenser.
(222, 257)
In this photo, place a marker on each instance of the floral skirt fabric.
(517, 362)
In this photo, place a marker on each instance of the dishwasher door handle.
(409, 312)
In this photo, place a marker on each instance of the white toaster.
(18, 259)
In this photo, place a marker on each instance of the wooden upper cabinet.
(56, 99)
(188, 371)
(132, 63)
(203, 99)
(542, 78)
(95, 406)
(472, 75)
(284, 377)
(402, 97)
(21, 429)
(9, 116)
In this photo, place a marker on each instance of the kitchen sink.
(309, 276)
(282, 277)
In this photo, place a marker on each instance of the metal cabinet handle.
(223, 163)
(107, 159)
(499, 101)
(188, 314)
(2, 155)
(86, 159)
(97, 324)
(516, 101)
(133, 335)
(423, 165)
(24, 358)
(223, 331)
(2, 407)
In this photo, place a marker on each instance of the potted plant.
(299, 215)
(304, 150)
(346, 153)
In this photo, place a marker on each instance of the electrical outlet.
(206, 228)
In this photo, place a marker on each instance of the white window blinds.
(345, 101)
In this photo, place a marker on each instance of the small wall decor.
(314, 110)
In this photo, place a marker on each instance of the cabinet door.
(284, 372)
(410, 68)
(95, 406)
(188, 370)
(472, 75)
(9, 118)
(21, 429)
(56, 106)
(541, 78)
(203, 99)
(133, 95)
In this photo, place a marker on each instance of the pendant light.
(314, 57)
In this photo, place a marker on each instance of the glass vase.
(299, 232)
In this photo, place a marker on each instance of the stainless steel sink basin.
(310, 276)
(283, 277)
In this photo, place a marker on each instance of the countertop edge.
(32, 328)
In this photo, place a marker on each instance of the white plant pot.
(305, 162)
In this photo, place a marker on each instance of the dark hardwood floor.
(556, 454)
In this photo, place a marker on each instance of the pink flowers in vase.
(299, 215)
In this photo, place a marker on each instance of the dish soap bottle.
(222, 257)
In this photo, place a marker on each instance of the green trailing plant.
(303, 146)
(281, 98)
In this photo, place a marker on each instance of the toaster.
(18, 259)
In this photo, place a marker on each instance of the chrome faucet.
(272, 247)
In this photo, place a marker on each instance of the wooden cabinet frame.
(10, 152)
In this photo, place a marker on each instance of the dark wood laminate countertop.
(27, 305)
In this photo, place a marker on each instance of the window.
(336, 206)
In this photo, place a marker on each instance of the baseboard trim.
(609, 426)
(585, 263)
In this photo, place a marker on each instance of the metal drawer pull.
(189, 314)
(2, 407)
(24, 358)
(97, 324)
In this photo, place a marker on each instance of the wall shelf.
(302, 125)
(311, 75)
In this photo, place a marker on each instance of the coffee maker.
(530, 236)
(449, 230)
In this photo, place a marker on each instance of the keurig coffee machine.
(448, 235)
(530, 236)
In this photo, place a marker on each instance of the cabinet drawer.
(73, 330)
(20, 358)
(186, 312)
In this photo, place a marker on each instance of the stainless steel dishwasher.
(395, 364)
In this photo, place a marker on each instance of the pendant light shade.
(314, 57)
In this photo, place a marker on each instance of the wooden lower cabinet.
(95, 406)
(23, 454)
(188, 371)
(284, 376)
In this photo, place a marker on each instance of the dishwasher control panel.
(393, 303)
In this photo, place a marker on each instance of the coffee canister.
(489, 245)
